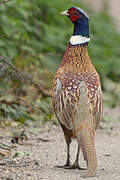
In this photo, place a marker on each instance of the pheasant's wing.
(65, 104)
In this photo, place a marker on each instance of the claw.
(66, 166)
(75, 167)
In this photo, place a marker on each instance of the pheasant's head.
(76, 14)
(80, 20)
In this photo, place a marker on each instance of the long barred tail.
(86, 140)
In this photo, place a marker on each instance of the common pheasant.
(76, 93)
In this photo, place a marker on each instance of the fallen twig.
(41, 139)
(7, 163)
(5, 146)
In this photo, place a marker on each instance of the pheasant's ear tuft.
(77, 10)
(72, 10)
(74, 14)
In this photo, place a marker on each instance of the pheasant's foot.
(63, 166)
(67, 165)
(75, 166)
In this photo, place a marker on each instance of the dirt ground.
(36, 158)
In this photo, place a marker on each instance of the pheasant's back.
(76, 90)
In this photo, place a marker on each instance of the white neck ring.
(77, 39)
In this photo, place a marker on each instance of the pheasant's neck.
(77, 57)
(80, 33)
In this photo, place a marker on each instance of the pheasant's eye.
(75, 12)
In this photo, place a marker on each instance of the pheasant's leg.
(76, 162)
(68, 153)
(67, 164)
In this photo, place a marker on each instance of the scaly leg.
(67, 164)
(76, 162)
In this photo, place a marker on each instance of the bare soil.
(36, 158)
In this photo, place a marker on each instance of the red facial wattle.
(74, 14)
(74, 17)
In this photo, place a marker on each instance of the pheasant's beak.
(64, 13)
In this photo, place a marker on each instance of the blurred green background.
(33, 36)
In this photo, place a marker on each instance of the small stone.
(111, 127)
(37, 163)
(28, 174)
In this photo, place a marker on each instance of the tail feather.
(86, 140)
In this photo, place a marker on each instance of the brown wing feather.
(64, 103)
(97, 107)
(65, 108)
